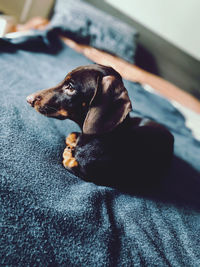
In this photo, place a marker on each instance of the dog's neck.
(78, 117)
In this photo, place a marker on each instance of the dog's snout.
(31, 99)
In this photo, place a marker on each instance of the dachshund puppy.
(112, 149)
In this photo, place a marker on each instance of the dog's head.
(93, 96)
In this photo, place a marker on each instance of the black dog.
(113, 149)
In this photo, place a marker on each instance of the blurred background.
(177, 21)
(169, 36)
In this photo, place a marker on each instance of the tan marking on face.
(68, 77)
(45, 96)
(63, 112)
(83, 104)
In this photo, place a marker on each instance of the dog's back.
(137, 153)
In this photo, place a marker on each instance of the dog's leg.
(69, 160)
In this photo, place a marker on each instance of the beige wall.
(178, 21)
(26, 9)
(12, 7)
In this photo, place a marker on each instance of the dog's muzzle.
(31, 99)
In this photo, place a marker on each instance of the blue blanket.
(50, 217)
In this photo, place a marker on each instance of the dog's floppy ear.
(109, 106)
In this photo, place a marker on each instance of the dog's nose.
(31, 99)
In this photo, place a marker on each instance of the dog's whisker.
(54, 109)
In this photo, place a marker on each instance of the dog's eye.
(69, 89)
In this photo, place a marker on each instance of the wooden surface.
(133, 73)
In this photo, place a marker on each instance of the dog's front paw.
(68, 160)
(72, 139)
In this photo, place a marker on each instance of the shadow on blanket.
(180, 187)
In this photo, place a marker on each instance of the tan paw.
(67, 153)
(71, 140)
(68, 160)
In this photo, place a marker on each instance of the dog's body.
(112, 149)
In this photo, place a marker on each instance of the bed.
(50, 217)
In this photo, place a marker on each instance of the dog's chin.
(60, 114)
(59, 117)
(55, 116)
